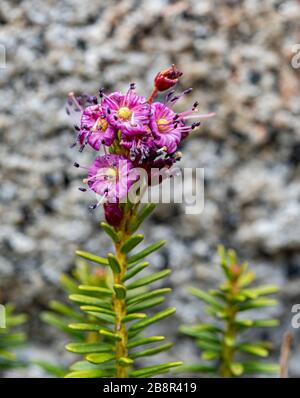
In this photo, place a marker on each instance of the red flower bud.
(167, 78)
(113, 214)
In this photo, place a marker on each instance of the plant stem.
(153, 95)
(119, 304)
(227, 354)
(120, 310)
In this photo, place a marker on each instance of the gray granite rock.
(237, 56)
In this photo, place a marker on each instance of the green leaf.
(114, 263)
(64, 309)
(207, 298)
(7, 355)
(85, 348)
(142, 214)
(261, 291)
(125, 362)
(198, 368)
(85, 327)
(87, 374)
(259, 323)
(232, 256)
(146, 296)
(151, 351)
(265, 323)
(135, 270)
(259, 367)
(254, 349)
(96, 289)
(68, 284)
(12, 339)
(102, 317)
(149, 279)
(246, 279)
(210, 355)
(195, 330)
(15, 320)
(51, 369)
(131, 243)
(144, 341)
(85, 365)
(110, 232)
(142, 254)
(113, 336)
(155, 318)
(237, 368)
(208, 336)
(132, 317)
(89, 300)
(120, 291)
(55, 321)
(152, 370)
(100, 358)
(257, 303)
(209, 345)
(92, 257)
(87, 308)
(145, 304)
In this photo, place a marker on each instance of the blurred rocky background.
(236, 54)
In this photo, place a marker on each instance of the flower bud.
(167, 78)
(113, 214)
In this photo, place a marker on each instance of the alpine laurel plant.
(11, 338)
(61, 314)
(138, 140)
(222, 342)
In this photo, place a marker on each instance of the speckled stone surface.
(237, 56)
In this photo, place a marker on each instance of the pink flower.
(128, 113)
(94, 128)
(165, 129)
(108, 176)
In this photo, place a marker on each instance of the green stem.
(119, 304)
(227, 350)
(120, 310)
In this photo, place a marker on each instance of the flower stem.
(153, 95)
(119, 304)
(120, 310)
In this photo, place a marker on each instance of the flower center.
(102, 124)
(162, 125)
(111, 172)
(124, 113)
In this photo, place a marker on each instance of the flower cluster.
(130, 131)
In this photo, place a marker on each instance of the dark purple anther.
(101, 92)
(187, 91)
